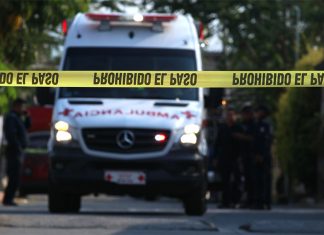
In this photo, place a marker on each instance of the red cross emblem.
(188, 114)
(66, 112)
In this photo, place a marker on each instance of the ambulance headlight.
(192, 128)
(62, 132)
(61, 126)
(189, 136)
(189, 139)
(63, 136)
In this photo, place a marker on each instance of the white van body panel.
(125, 113)
(177, 34)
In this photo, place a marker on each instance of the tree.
(25, 27)
(257, 35)
(297, 136)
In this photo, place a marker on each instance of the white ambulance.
(129, 141)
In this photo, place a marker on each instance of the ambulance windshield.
(130, 59)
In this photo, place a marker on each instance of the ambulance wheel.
(63, 203)
(196, 203)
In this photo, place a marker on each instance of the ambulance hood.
(128, 113)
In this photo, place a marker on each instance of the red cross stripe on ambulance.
(188, 114)
(99, 112)
(66, 112)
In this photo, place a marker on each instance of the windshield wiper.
(172, 104)
(85, 102)
(148, 97)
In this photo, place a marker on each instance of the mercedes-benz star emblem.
(125, 139)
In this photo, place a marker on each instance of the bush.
(297, 135)
(6, 93)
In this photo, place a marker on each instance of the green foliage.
(3, 66)
(114, 5)
(257, 35)
(24, 34)
(297, 136)
(313, 18)
(25, 27)
(298, 121)
(314, 57)
(6, 93)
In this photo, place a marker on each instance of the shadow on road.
(22, 211)
(27, 211)
(137, 213)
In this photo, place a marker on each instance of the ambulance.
(142, 142)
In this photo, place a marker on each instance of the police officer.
(227, 151)
(248, 127)
(16, 136)
(263, 163)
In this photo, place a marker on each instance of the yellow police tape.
(189, 79)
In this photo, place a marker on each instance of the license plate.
(125, 177)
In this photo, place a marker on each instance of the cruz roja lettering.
(117, 78)
(45, 78)
(261, 79)
(187, 79)
(317, 79)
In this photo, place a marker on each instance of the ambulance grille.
(106, 140)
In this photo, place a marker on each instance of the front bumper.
(175, 175)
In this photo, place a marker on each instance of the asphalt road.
(113, 215)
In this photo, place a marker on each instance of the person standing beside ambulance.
(263, 161)
(15, 124)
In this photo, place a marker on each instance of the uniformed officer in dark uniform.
(263, 159)
(16, 137)
(248, 127)
(227, 153)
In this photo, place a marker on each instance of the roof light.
(138, 18)
(159, 18)
(64, 26)
(104, 17)
(201, 32)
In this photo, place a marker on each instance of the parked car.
(35, 168)
(34, 177)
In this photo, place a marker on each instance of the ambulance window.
(131, 93)
(130, 59)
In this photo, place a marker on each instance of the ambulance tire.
(195, 204)
(63, 203)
